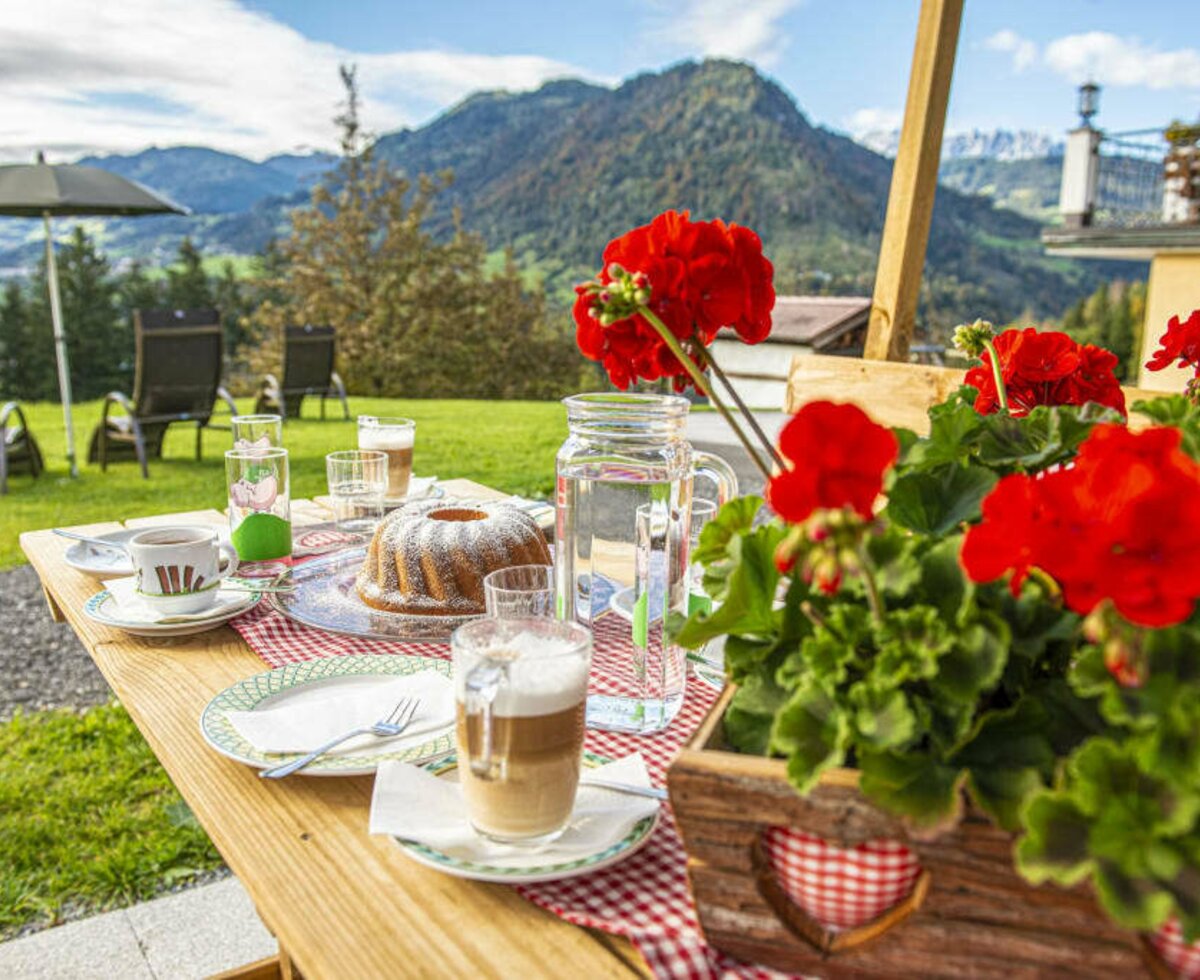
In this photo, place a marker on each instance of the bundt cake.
(430, 558)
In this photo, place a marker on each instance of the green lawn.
(508, 445)
(87, 817)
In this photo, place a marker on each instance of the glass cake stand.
(323, 596)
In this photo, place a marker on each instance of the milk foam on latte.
(537, 740)
(397, 443)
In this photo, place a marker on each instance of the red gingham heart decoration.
(841, 888)
(1181, 957)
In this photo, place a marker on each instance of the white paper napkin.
(132, 608)
(418, 487)
(413, 804)
(308, 722)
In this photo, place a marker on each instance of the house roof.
(815, 321)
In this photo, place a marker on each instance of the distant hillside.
(557, 172)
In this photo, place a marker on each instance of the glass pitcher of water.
(624, 493)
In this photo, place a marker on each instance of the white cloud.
(874, 120)
(85, 75)
(1024, 52)
(743, 29)
(1113, 60)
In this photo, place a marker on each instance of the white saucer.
(103, 563)
(533, 867)
(102, 609)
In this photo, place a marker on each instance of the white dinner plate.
(321, 678)
(102, 608)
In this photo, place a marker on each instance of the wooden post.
(914, 182)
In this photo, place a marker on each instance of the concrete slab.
(186, 936)
(100, 948)
(202, 931)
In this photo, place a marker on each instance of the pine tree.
(26, 349)
(187, 282)
(137, 291)
(99, 341)
(235, 306)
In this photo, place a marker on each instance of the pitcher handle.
(482, 684)
(719, 471)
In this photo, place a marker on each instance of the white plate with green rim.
(325, 677)
(535, 871)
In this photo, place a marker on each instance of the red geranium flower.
(1122, 524)
(839, 457)
(701, 276)
(1181, 343)
(1046, 368)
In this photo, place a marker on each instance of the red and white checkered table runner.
(646, 897)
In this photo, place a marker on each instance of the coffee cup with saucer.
(179, 570)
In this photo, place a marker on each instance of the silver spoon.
(94, 542)
(653, 792)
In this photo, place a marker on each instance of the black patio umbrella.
(45, 190)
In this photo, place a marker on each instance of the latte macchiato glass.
(520, 696)
(394, 437)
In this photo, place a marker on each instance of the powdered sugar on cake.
(430, 558)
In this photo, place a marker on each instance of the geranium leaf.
(747, 608)
(914, 785)
(943, 583)
(1055, 845)
(882, 719)
(751, 714)
(972, 665)
(732, 520)
(938, 500)
(812, 731)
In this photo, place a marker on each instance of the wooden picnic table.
(340, 902)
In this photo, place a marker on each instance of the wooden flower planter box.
(970, 913)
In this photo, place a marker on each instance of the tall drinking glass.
(702, 512)
(395, 437)
(259, 509)
(257, 431)
(357, 482)
(520, 689)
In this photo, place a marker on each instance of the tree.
(415, 316)
(27, 368)
(137, 291)
(187, 282)
(99, 341)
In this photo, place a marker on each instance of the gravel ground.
(43, 663)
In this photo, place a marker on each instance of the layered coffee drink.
(521, 704)
(394, 438)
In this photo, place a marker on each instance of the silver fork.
(396, 720)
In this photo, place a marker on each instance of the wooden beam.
(914, 182)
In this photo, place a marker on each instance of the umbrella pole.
(60, 344)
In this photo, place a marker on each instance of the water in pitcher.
(624, 486)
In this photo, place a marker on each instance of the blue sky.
(259, 76)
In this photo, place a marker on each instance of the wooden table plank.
(343, 903)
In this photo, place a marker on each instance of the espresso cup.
(178, 569)
(520, 690)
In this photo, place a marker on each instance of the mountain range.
(557, 172)
(993, 144)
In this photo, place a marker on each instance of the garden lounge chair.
(307, 370)
(177, 378)
(18, 448)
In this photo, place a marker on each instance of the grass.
(88, 819)
(508, 445)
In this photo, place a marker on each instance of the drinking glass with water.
(358, 480)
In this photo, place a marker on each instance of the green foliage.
(1178, 411)
(87, 817)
